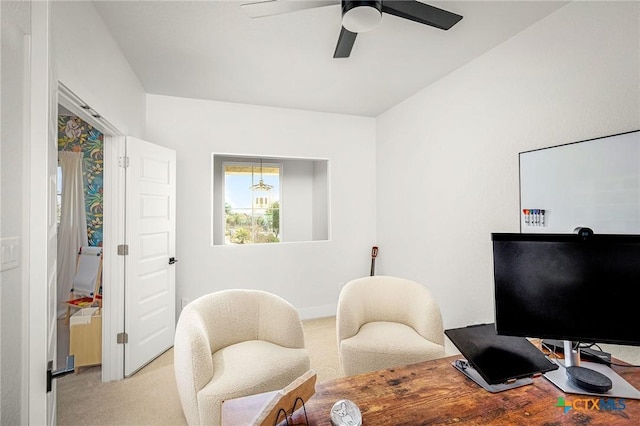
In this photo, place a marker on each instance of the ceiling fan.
(359, 16)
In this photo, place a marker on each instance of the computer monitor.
(575, 287)
(568, 287)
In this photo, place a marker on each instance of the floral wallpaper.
(76, 135)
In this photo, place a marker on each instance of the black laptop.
(499, 359)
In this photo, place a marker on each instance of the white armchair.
(385, 322)
(235, 343)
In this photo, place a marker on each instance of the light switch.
(10, 253)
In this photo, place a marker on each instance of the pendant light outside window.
(260, 186)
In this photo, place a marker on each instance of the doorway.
(107, 229)
(138, 291)
(80, 227)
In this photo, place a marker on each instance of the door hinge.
(122, 338)
(123, 162)
(123, 250)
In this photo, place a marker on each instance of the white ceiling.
(213, 50)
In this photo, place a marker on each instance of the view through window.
(252, 202)
(257, 200)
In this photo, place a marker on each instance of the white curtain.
(72, 233)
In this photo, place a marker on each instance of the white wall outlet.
(10, 250)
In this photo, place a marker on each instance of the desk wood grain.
(435, 393)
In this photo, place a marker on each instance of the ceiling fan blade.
(345, 43)
(422, 13)
(259, 9)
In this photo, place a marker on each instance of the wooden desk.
(435, 393)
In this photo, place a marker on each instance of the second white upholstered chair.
(235, 343)
(385, 322)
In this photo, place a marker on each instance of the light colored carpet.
(150, 397)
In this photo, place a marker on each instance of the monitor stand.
(464, 367)
(620, 389)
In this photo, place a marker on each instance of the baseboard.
(318, 311)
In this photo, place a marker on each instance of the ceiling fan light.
(361, 16)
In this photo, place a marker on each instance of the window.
(268, 200)
(251, 202)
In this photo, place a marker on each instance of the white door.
(150, 236)
(43, 160)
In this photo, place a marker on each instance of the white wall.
(447, 158)
(308, 274)
(296, 212)
(90, 63)
(15, 18)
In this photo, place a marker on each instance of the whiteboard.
(593, 183)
